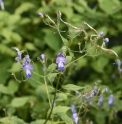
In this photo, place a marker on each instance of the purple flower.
(61, 60)
(118, 63)
(74, 113)
(100, 102)
(120, 70)
(27, 66)
(104, 90)
(110, 100)
(19, 55)
(40, 14)
(101, 33)
(106, 40)
(92, 94)
(2, 5)
(90, 100)
(42, 56)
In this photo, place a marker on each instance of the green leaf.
(24, 7)
(13, 86)
(61, 97)
(65, 118)
(99, 64)
(110, 6)
(68, 58)
(5, 90)
(19, 102)
(11, 120)
(30, 46)
(51, 77)
(15, 67)
(42, 122)
(52, 40)
(72, 87)
(59, 109)
(52, 67)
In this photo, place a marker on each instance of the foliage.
(30, 100)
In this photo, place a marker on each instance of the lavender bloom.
(100, 102)
(90, 100)
(40, 14)
(18, 58)
(92, 94)
(110, 100)
(118, 63)
(101, 33)
(42, 56)
(106, 40)
(95, 90)
(26, 59)
(105, 90)
(2, 5)
(27, 66)
(61, 60)
(120, 70)
(74, 113)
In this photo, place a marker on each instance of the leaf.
(68, 58)
(19, 102)
(61, 97)
(11, 120)
(24, 7)
(15, 67)
(51, 77)
(65, 118)
(13, 86)
(72, 87)
(42, 122)
(52, 67)
(5, 90)
(30, 46)
(110, 6)
(59, 109)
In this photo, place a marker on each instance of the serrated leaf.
(72, 87)
(61, 97)
(65, 118)
(51, 77)
(52, 67)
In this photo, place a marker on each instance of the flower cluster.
(74, 113)
(26, 66)
(61, 60)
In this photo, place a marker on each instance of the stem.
(47, 90)
(53, 101)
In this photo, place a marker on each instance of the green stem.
(53, 101)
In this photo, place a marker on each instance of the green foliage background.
(21, 27)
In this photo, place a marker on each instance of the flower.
(19, 55)
(61, 60)
(104, 90)
(100, 102)
(106, 40)
(42, 56)
(110, 100)
(74, 113)
(101, 33)
(40, 14)
(2, 5)
(27, 66)
(118, 63)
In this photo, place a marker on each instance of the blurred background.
(20, 26)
